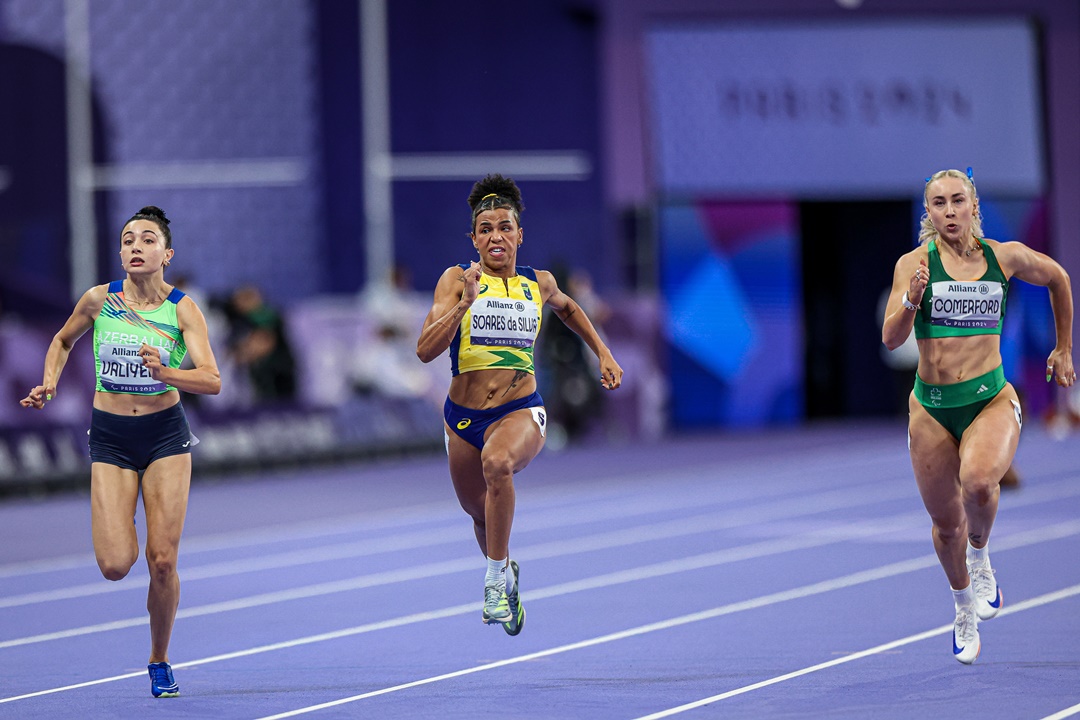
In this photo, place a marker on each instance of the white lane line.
(831, 535)
(1062, 714)
(1034, 537)
(766, 512)
(447, 567)
(1034, 602)
(611, 489)
(667, 624)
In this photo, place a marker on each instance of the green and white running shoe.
(496, 606)
(517, 610)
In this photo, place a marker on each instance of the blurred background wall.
(724, 185)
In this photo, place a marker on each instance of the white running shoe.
(966, 643)
(988, 597)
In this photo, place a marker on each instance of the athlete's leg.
(467, 475)
(114, 493)
(986, 452)
(165, 489)
(936, 461)
(509, 445)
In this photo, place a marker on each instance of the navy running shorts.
(135, 441)
(470, 424)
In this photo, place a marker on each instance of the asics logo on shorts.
(462, 424)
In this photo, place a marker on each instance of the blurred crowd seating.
(360, 391)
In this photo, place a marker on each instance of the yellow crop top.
(500, 329)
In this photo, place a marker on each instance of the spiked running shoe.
(988, 597)
(496, 607)
(162, 683)
(966, 643)
(517, 610)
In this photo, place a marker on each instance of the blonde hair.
(927, 231)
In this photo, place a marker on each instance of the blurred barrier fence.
(53, 457)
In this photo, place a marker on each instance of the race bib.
(503, 322)
(122, 370)
(966, 304)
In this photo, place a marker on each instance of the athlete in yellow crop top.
(142, 328)
(487, 314)
(965, 418)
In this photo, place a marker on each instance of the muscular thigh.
(988, 445)
(466, 471)
(935, 460)
(165, 487)
(113, 494)
(518, 435)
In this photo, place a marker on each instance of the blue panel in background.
(730, 274)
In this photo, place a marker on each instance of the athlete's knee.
(979, 488)
(161, 562)
(474, 509)
(950, 529)
(498, 469)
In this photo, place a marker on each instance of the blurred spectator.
(259, 342)
(387, 364)
(572, 392)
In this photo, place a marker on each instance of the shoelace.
(492, 596)
(161, 677)
(965, 625)
(982, 578)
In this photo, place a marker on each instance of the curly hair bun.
(496, 184)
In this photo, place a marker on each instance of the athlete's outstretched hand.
(1060, 365)
(38, 397)
(610, 371)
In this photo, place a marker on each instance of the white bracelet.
(908, 304)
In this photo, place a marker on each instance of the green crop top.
(954, 308)
(119, 331)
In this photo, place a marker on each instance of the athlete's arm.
(898, 319)
(454, 295)
(204, 378)
(575, 318)
(82, 319)
(1032, 266)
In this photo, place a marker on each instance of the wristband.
(908, 304)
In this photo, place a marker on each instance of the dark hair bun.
(155, 212)
(496, 184)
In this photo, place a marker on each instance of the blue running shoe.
(162, 683)
(988, 597)
(965, 643)
(517, 610)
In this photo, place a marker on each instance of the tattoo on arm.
(566, 317)
(513, 383)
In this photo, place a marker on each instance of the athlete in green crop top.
(142, 329)
(487, 314)
(965, 418)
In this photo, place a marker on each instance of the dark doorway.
(849, 249)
